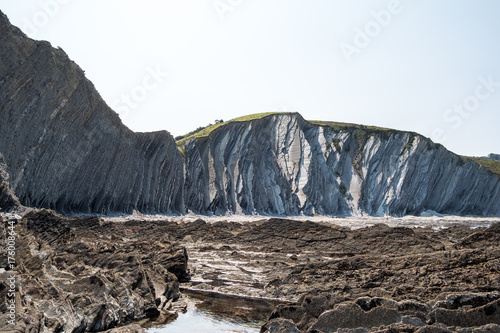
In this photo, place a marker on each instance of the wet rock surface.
(94, 274)
(334, 279)
(67, 150)
(83, 274)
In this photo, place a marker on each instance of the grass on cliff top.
(205, 131)
(363, 131)
(342, 126)
(492, 165)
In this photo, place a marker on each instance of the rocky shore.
(86, 275)
(334, 279)
(95, 274)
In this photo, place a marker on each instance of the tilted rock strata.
(449, 282)
(373, 279)
(84, 275)
(284, 165)
(8, 199)
(66, 149)
(382, 315)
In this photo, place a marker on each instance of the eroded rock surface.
(93, 274)
(82, 274)
(8, 199)
(284, 165)
(334, 279)
(65, 149)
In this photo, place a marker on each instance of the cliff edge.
(66, 149)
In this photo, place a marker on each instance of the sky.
(427, 66)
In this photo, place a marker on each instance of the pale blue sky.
(426, 66)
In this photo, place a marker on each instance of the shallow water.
(218, 313)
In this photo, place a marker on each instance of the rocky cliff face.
(8, 199)
(284, 165)
(66, 149)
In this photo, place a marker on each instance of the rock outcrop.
(284, 165)
(86, 275)
(335, 279)
(8, 199)
(66, 149)
(444, 281)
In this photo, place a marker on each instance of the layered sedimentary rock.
(282, 164)
(66, 149)
(450, 286)
(8, 199)
(336, 279)
(86, 275)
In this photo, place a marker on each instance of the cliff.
(8, 199)
(283, 165)
(66, 149)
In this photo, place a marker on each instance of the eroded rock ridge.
(65, 149)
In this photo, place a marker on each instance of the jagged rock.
(8, 199)
(477, 316)
(279, 326)
(284, 165)
(66, 149)
(83, 274)
(134, 328)
(352, 315)
(443, 281)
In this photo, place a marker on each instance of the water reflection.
(217, 313)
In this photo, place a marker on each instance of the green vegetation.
(408, 145)
(363, 132)
(207, 130)
(343, 126)
(336, 144)
(343, 189)
(199, 129)
(492, 165)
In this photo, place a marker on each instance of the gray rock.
(66, 149)
(486, 314)
(8, 199)
(284, 165)
(279, 326)
(434, 329)
(351, 315)
(134, 328)
(86, 275)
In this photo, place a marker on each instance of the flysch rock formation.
(283, 165)
(66, 150)
(87, 275)
(8, 199)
